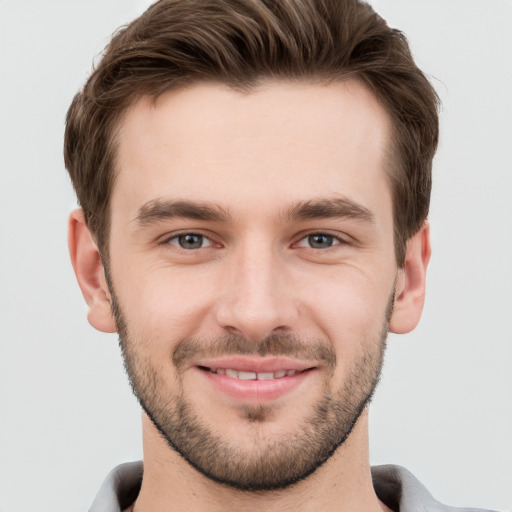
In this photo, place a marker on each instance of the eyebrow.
(329, 208)
(164, 209)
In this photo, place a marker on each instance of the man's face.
(252, 269)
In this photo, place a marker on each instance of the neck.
(342, 484)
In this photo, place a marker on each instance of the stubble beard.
(264, 462)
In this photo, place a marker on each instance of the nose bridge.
(257, 301)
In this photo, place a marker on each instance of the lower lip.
(255, 390)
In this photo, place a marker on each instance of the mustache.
(285, 345)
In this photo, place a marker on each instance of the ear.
(90, 273)
(410, 287)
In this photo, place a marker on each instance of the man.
(254, 180)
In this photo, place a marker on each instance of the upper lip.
(255, 364)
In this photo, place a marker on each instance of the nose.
(257, 297)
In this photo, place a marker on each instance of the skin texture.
(259, 176)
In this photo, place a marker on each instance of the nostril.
(256, 320)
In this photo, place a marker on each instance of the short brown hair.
(176, 43)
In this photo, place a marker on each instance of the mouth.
(255, 380)
(250, 375)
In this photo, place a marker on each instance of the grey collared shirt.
(394, 485)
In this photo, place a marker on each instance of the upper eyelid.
(175, 234)
(206, 242)
(194, 233)
(343, 238)
(337, 241)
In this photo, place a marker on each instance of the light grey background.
(444, 408)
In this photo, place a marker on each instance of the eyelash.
(190, 234)
(335, 240)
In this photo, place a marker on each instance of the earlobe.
(90, 273)
(410, 287)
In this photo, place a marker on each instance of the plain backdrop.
(444, 407)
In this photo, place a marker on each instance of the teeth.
(236, 374)
(247, 375)
(265, 376)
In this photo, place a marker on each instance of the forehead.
(280, 141)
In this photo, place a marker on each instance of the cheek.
(162, 304)
(350, 305)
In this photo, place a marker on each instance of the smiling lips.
(255, 379)
(244, 375)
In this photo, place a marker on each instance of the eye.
(319, 241)
(190, 241)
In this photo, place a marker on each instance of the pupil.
(320, 241)
(191, 241)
